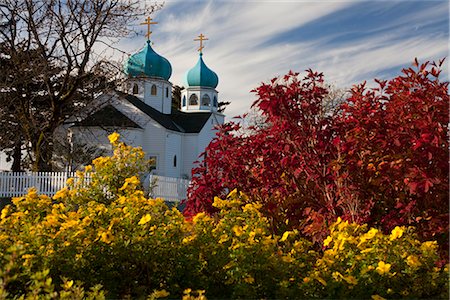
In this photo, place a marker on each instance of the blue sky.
(253, 41)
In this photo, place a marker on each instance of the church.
(142, 113)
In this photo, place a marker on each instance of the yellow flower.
(188, 239)
(287, 259)
(132, 180)
(106, 237)
(5, 212)
(237, 230)
(323, 282)
(61, 193)
(187, 291)
(371, 233)
(233, 193)
(413, 261)
(52, 220)
(327, 241)
(377, 297)
(285, 236)
(351, 280)
(337, 276)
(396, 233)
(68, 284)
(249, 280)
(367, 250)
(223, 238)
(88, 168)
(145, 219)
(70, 181)
(113, 138)
(429, 246)
(160, 294)
(198, 217)
(383, 267)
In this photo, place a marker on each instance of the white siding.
(159, 101)
(190, 153)
(154, 144)
(206, 134)
(173, 148)
(98, 137)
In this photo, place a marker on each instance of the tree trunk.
(17, 156)
(43, 152)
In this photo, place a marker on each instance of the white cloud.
(236, 31)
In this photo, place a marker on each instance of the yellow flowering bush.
(101, 237)
(361, 262)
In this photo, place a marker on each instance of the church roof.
(148, 63)
(176, 121)
(201, 75)
(108, 116)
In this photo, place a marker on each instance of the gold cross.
(148, 22)
(201, 39)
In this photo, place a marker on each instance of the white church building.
(143, 115)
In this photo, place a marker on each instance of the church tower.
(148, 76)
(200, 94)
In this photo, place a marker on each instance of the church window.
(135, 89)
(153, 90)
(175, 161)
(167, 92)
(184, 100)
(206, 101)
(153, 162)
(193, 100)
(215, 102)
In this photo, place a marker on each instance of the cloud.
(253, 41)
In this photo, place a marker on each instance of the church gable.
(190, 122)
(176, 121)
(108, 116)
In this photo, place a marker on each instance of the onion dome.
(148, 63)
(201, 75)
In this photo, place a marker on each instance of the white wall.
(162, 101)
(190, 153)
(154, 144)
(173, 148)
(200, 92)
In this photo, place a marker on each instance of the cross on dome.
(201, 38)
(148, 22)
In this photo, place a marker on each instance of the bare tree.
(48, 49)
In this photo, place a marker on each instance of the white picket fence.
(170, 188)
(15, 184)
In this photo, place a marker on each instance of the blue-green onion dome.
(201, 75)
(148, 63)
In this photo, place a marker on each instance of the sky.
(253, 41)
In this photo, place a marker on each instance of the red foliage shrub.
(383, 160)
(395, 149)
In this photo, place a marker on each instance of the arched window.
(215, 102)
(174, 160)
(184, 100)
(206, 101)
(193, 100)
(153, 90)
(167, 92)
(135, 89)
